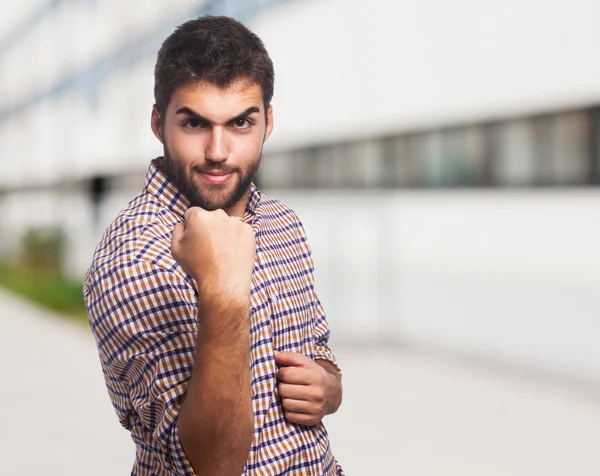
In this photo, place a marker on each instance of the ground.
(405, 412)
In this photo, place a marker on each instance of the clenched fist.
(308, 392)
(217, 250)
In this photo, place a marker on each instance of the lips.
(216, 177)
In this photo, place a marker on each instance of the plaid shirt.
(142, 309)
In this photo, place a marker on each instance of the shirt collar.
(253, 202)
(160, 187)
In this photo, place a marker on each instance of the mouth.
(216, 177)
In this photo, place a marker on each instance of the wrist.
(334, 393)
(215, 299)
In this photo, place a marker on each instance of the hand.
(306, 389)
(217, 250)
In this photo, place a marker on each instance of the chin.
(210, 200)
(213, 196)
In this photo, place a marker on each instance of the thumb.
(291, 359)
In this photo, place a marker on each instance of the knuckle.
(319, 396)
(191, 212)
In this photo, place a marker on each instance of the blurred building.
(443, 155)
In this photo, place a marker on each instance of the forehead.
(213, 101)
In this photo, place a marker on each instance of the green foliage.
(38, 275)
(42, 251)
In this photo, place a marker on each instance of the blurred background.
(445, 160)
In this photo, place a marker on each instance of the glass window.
(453, 157)
(396, 162)
(355, 164)
(570, 146)
(313, 167)
(363, 164)
(324, 174)
(542, 129)
(595, 146)
(463, 156)
(305, 166)
(426, 152)
(514, 153)
(552, 150)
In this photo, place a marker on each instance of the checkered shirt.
(142, 309)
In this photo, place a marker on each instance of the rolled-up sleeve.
(144, 319)
(322, 332)
(321, 326)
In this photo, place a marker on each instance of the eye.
(193, 123)
(241, 123)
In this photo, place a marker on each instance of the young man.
(212, 340)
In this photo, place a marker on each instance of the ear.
(156, 123)
(269, 122)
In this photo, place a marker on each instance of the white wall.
(511, 276)
(350, 67)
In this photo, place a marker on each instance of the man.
(212, 340)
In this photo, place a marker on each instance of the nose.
(217, 149)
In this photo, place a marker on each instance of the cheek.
(246, 148)
(185, 145)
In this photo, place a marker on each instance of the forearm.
(216, 421)
(334, 389)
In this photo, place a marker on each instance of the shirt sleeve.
(144, 319)
(322, 332)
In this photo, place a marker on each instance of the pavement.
(405, 412)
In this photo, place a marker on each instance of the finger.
(299, 406)
(177, 234)
(295, 375)
(292, 359)
(190, 212)
(295, 392)
(302, 419)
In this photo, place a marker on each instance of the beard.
(210, 196)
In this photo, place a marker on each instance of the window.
(514, 153)
(452, 157)
(570, 159)
(554, 149)
(396, 162)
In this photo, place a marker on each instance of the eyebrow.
(191, 113)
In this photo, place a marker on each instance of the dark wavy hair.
(215, 49)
